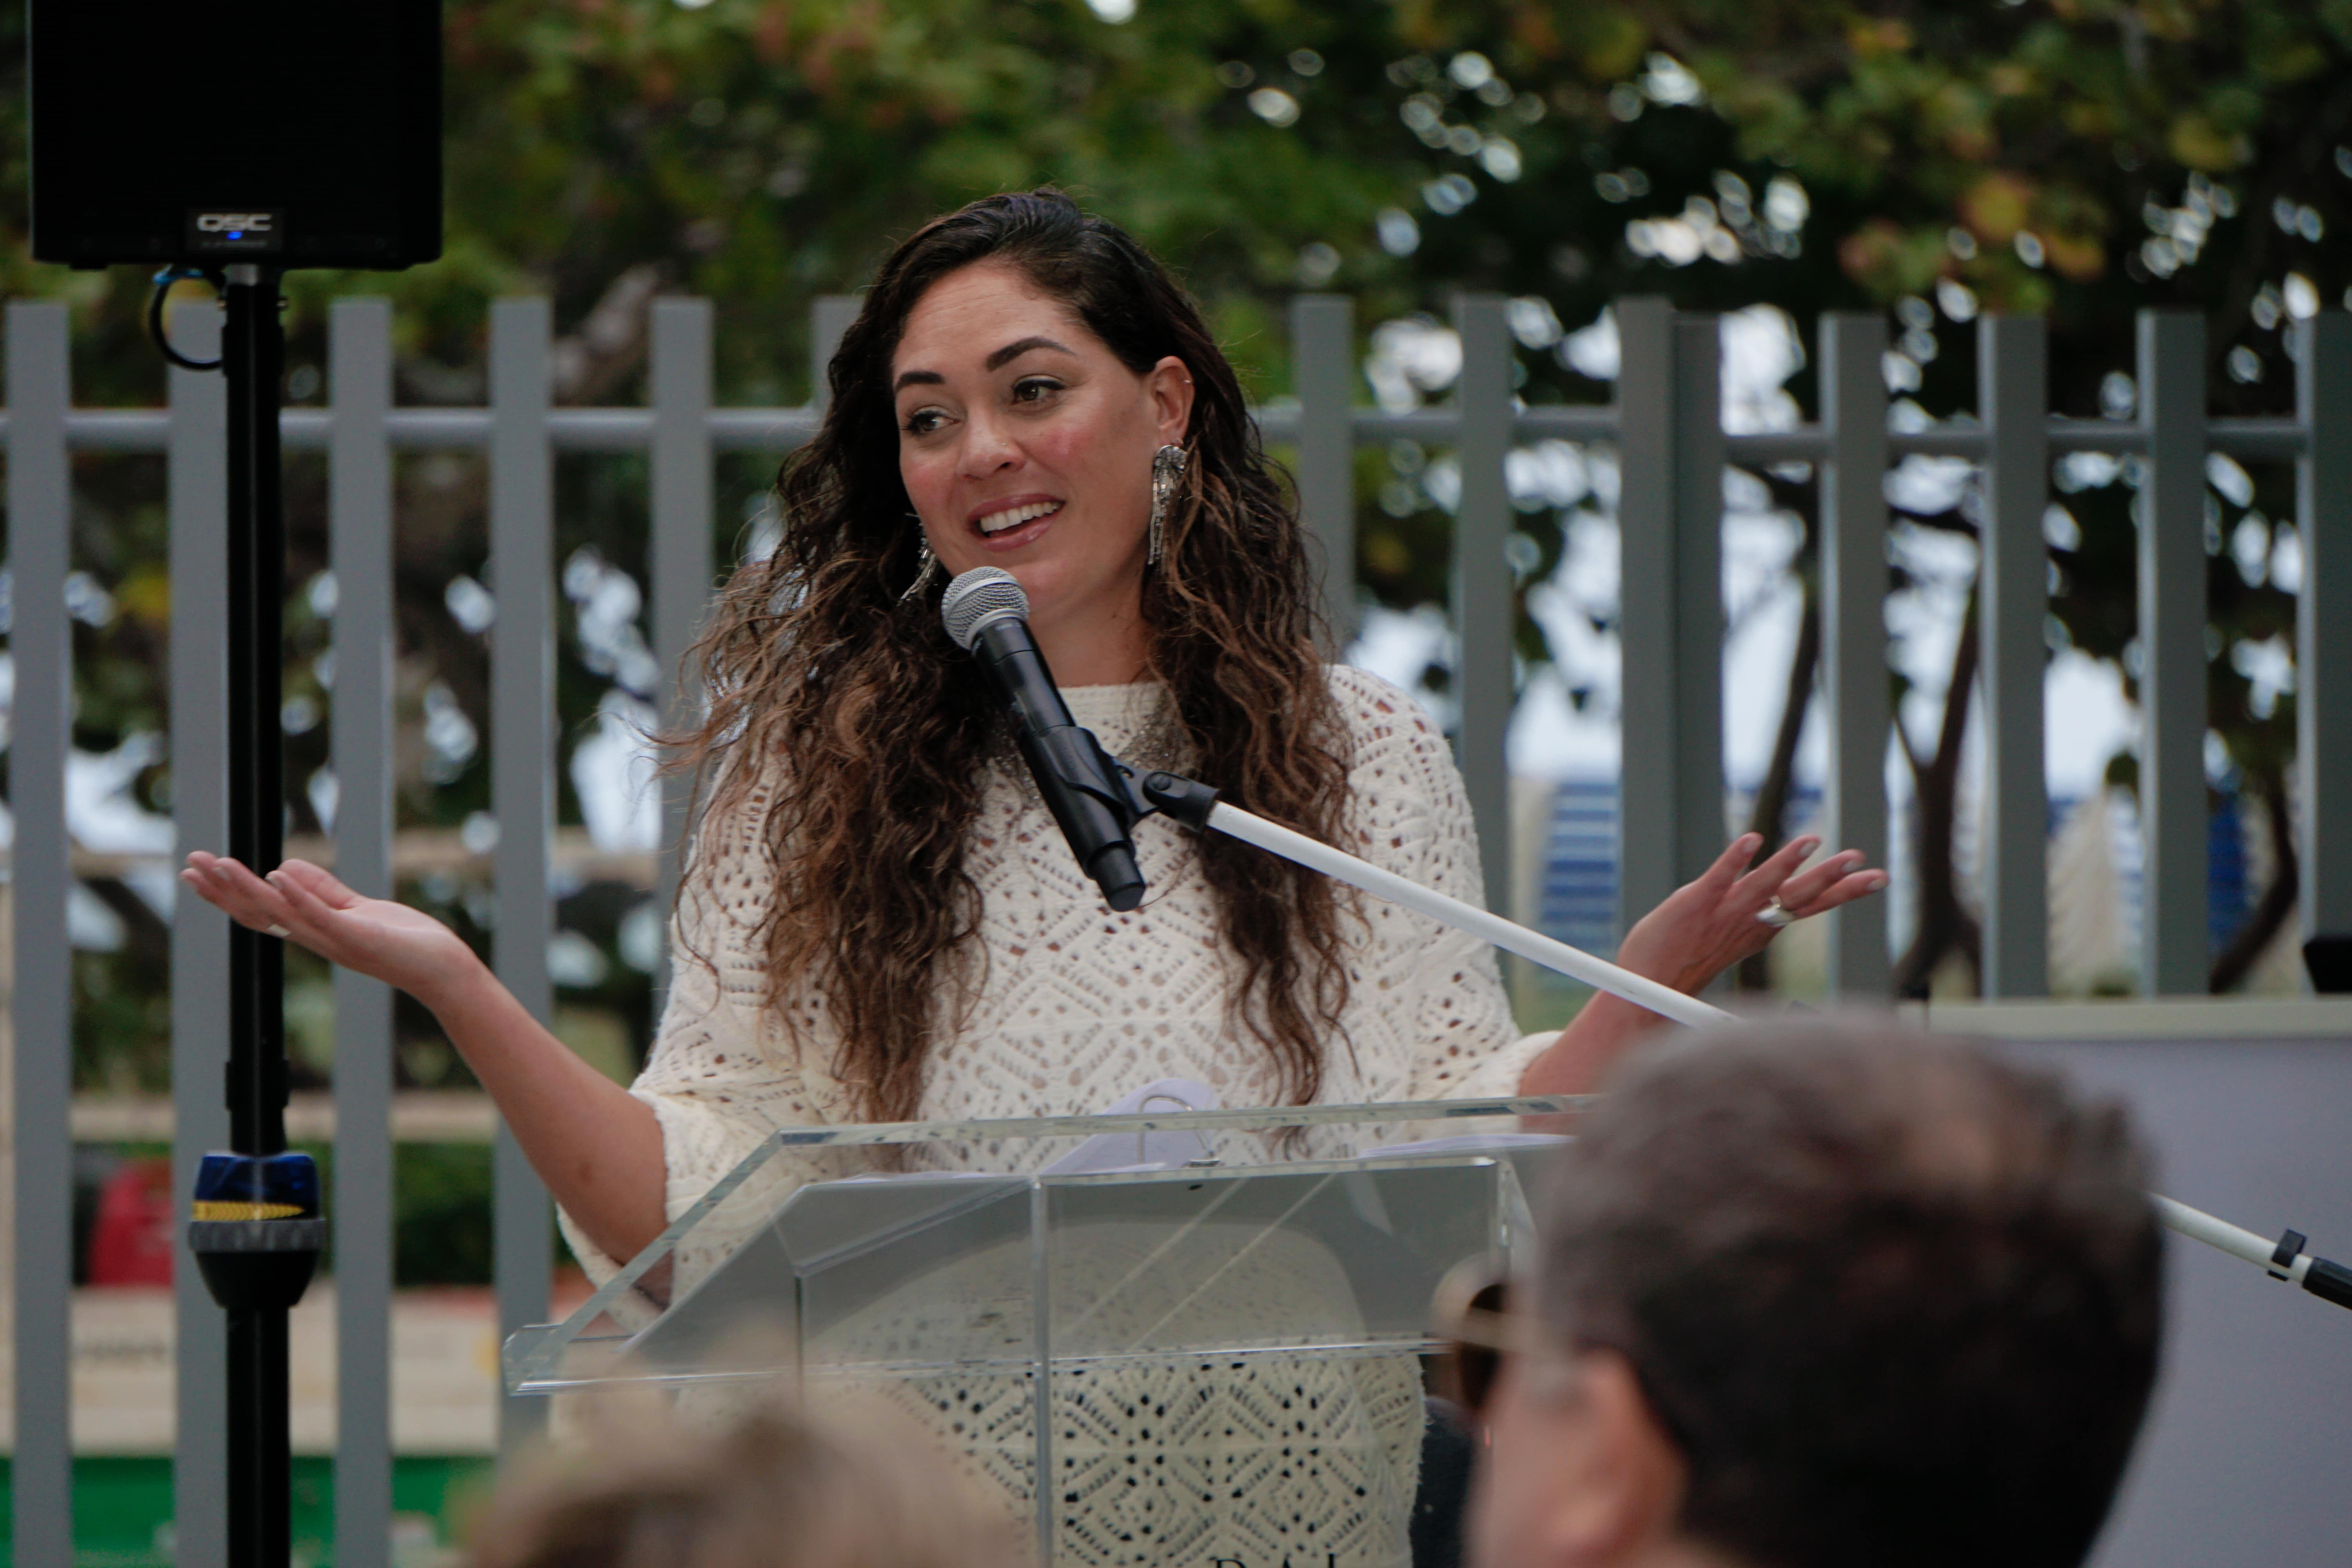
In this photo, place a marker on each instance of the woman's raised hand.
(1707, 925)
(597, 1149)
(302, 902)
(1702, 929)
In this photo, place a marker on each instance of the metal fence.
(1672, 448)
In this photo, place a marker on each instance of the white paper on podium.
(1143, 1151)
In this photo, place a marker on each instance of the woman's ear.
(1168, 385)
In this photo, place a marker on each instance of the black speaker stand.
(257, 1250)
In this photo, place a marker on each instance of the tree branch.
(1769, 816)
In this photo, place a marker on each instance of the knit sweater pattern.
(1076, 1005)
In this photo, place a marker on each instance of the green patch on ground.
(122, 1509)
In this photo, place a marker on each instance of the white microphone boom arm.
(1198, 804)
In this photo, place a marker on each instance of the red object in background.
(131, 1244)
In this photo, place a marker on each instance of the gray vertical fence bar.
(1645, 617)
(2323, 389)
(1854, 689)
(829, 317)
(2013, 597)
(522, 772)
(2175, 953)
(1322, 348)
(1697, 712)
(39, 519)
(1483, 616)
(198, 485)
(679, 545)
(359, 523)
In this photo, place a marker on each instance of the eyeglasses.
(1470, 1314)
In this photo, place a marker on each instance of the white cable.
(1664, 1000)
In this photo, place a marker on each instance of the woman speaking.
(879, 920)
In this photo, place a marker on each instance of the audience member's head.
(1828, 1298)
(784, 1488)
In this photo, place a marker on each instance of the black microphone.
(988, 614)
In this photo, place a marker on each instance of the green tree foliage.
(2078, 158)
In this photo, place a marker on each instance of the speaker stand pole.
(253, 354)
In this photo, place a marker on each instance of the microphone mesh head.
(978, 596)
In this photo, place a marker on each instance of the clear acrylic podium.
(1206, 1328)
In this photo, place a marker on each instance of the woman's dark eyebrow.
(1013, 351)
(996, 360)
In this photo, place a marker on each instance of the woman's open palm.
(388, 941)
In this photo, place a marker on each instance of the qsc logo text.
(229, 231)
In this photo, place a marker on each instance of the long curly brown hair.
(847, 718)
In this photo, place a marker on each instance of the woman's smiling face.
(1026, 443)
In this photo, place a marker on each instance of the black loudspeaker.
(254, 131)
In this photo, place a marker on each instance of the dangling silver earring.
(927, 567)
(1167, 473)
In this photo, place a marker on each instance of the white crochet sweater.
(1079, 1004)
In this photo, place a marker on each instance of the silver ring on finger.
(1775, 914)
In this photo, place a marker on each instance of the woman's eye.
(1035, 388)
(923, 421)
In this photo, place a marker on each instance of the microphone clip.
(1172, 794)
